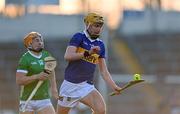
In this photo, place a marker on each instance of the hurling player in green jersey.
(29, 71)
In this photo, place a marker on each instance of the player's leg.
(43, 106)
(62, 110)
(65, 103)
(29, 109)
(95, 101)
(47, 110)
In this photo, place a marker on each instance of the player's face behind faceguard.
(37, 44)
(34, 42)
(94, 30)
(94, 23)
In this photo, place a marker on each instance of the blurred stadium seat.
(158, 54)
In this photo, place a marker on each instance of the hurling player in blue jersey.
(84, 52)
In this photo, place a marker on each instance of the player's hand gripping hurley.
(50, 64)
(136, 80)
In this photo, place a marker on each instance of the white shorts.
(35, 105)
(71, 93)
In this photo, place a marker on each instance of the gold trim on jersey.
(91, 59)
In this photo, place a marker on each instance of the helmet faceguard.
(29, 38)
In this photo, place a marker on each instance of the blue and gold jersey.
(83, 69)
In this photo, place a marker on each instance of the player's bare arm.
(22, 79)
(71, 54)
(106, 75)
(53, 85)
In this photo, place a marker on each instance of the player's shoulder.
(45, 52)
(26, 54)
(99, 40)
(79, 34)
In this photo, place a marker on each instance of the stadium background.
(142, 36)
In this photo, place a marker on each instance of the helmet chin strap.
(37, 51)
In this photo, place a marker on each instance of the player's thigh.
(27, 112)
(62, 110)
(95, 101)
(47, 110)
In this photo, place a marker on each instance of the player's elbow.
(19, 82)
(19, 79)
(67, 57)
(104, 73)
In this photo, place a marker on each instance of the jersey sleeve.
(76, 40)
(22, 65)
(102, 52)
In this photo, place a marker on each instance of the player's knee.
(100, 110)
(62, 110)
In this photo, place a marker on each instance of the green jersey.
(32, 64)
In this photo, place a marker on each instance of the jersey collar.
(87, 35)
(35, 55)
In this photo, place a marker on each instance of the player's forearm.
(53, 81)
(108, 79)
(73, 56)
(54, 91)
(24, 80)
